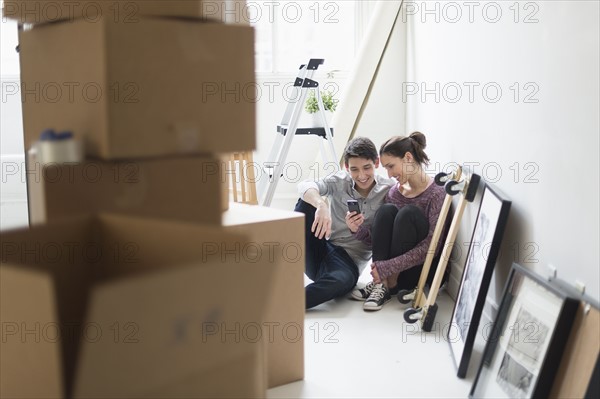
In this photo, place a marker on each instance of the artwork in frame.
(477, 273)
(523, 352)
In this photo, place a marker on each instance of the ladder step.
(315, 131)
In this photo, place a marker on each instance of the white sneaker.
(379, 296)
(361, 294)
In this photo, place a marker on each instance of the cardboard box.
(114, 306)
(152, 88)
(284, 232)
(40, 11)
(189, 188)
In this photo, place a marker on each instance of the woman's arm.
(364, 234)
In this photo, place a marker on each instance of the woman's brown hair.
(398, 146)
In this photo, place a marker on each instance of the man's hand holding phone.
(354, 218)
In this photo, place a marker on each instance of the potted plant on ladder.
(312, 107)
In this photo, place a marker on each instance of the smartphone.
(353, 206)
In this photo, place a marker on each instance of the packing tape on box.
(56, 151)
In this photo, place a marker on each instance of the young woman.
(403, 227)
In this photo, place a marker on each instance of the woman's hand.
(354, 220)
(375, 273)
(322, 224)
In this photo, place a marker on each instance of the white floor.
(350, 353)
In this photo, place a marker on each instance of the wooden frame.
(477, 273)
(523, 353)
(579, 373)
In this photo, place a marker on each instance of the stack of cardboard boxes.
(138, 278)
(141, 92)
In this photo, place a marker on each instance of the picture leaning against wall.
(524, 351)
(479, 266)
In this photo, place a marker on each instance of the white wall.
(13, 192)
(13, 195)
(11, 139)
(546, 151)
(384, 113)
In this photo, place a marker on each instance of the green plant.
(329, 102)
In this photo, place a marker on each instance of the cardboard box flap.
(65, 254)
(169, 322)
(27, 311)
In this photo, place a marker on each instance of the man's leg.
(315, 249)
(338, 276)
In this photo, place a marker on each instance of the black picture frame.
(484, 247)
(523, 352)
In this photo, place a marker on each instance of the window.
(289, 33)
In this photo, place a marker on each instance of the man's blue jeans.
(332, 270)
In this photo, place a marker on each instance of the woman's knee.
(410, 213)
(412, 216)
(386, 212)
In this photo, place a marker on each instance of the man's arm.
(322, 224)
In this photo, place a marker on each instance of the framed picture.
(524, 350)
(477, 273)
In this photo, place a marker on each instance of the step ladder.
(288, 128)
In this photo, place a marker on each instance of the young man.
(335, 256)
